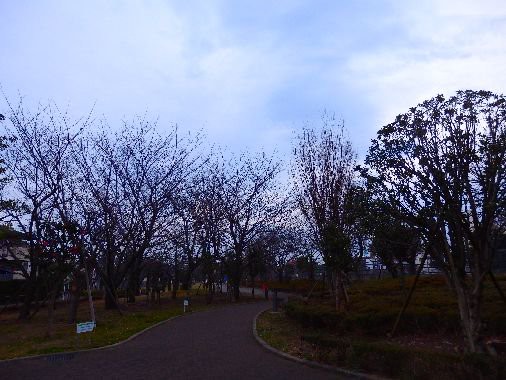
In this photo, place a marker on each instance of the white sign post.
(185, 305)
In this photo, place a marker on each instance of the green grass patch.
(374, 306)
(29, 338)
(428, 343)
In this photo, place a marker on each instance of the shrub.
(375, 304)
(312, 316)
(399, 362)
(296, 286)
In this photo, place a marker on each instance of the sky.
(249, 74)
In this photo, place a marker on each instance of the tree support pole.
(408, 298)
(311, 291)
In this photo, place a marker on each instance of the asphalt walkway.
(215, 344)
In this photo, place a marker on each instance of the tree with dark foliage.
(393, 241)
(443, 165)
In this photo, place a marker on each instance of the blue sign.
(85, 327)
(225, 278)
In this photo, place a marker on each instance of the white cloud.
(448, 46)
(250, 72)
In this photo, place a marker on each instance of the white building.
(10, 261)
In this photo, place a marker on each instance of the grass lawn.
(428, 345)
(29, 338)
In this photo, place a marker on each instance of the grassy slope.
(29, 338)
(374, 305)
(357, 338)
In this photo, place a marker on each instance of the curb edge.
(309, 363)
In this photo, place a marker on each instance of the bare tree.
(126, 183)
(212, 213)
(284, 245)
(188, 229)
(443, 165)
(37, 160)
(252, 201)
(323, 174)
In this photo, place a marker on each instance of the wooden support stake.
(408, 298)
(311, 291)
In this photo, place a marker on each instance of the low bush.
(296, 286)
(396, 361)
(312, 315)
(375, 304)
(357, 338)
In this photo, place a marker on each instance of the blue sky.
(250, 73)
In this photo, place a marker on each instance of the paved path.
(215, 344)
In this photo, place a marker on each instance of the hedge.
(395, 361)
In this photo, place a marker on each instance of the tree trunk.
(175, 287)
(133, 285)
(237, 291)
(50, 312)
(169, 284)
(187, 278)
(332, 284)
(25, 310)
(153, 296)
(236, 274)
(470, 304)
(111, 301)
(210, 289)
(75, 295)
(324, 283)
(339, 292)
(185, 284)
(412, 267)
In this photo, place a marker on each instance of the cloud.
(249, 72)
(447, 46)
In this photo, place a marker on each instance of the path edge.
(306, 362)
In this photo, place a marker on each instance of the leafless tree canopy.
(323, 174)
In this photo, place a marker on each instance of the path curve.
(214, 344)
